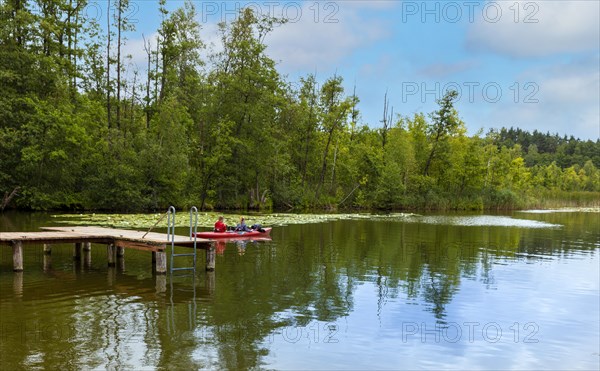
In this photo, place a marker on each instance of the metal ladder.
(171, 238)
(172, 327)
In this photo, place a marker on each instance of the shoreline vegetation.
(81, 128)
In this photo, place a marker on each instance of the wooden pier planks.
(6, 238)
(142, 237)
(115, 239)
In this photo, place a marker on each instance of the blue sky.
(527, 64)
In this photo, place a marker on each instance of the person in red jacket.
(220, 226)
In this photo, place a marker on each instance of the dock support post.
(210, 258)
(161, 261)
(17, 256)
(110, 254)
(18, 284)
(47, 263)
(210, 282)
(87, 258)
(161, 283)
(47, 249)
(120, 251)
(87, 255)
(77, 251)
(120, 263)
(112, 275)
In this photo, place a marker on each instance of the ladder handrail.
(171, 231)
(171, 224)
(193, 234)
(194, 212)
(171, 327)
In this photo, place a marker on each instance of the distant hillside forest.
(82, 128)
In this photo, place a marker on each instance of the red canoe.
(234, 234)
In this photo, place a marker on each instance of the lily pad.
(207, 220)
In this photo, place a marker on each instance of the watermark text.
(453, 332)
(469, 11)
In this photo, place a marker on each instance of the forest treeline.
(84, 128)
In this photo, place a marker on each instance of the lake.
(454, 291)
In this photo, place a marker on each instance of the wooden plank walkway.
(151, 238)
(7, 238)
(116, 240)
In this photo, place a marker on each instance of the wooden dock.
(117, 240)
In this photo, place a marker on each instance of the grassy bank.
(551, 199)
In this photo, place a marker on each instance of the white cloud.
(323, 34)
(318, 34)
(534, 29)
(212, 40)
(568, 98)
(135, 48)
(139, 58)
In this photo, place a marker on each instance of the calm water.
(516, 291)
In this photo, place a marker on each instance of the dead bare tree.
(8, 197)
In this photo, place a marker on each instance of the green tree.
(164, 155)
(335, 109)
(180, 55)
(466, 173)
(445, 122)
(590, 177)
(308, 120)
(400, 165)
(246, 90)
(122, 25)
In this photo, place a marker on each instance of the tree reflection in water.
(305, 279)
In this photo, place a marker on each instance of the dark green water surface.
(517, 291)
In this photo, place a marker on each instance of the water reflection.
(483, 221)
(333, 288)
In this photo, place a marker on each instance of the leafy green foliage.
(228, 130)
